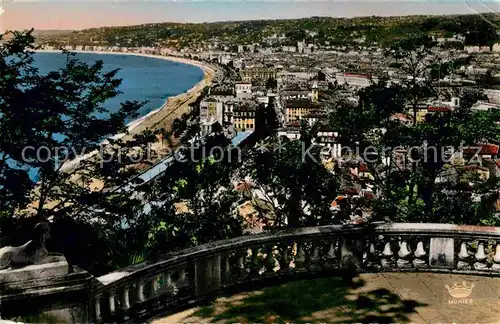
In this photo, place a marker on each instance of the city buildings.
(243, 89)
(244, 115)
(297, 109)
(258, 74)
(211, 112)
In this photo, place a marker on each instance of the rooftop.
(240, 137)
(245, 106)
(302, 104)
(439, 109)
(483, 149)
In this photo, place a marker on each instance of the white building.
(211, 111)
(472, 49)
(224, 59)
(326, 139)
(293, 76)
(493, 95)
(289, 49)
(330, 74)
(484, 106)
(243, 89)
(290, 133)
(300, 47)
(238, 63)
(294, 95)
(228, 112)
(352, 79)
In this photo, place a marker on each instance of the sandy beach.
(163, 117)
(173, 107)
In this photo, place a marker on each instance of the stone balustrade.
(139, 292)
(179, 279)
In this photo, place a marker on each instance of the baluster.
(241, 264)
(419, 254)
(285, 261)
(182, 276)
(155, 284)
(140, 291)
(111, 302)
(171, 286)
(140, 295)
(387, 254)
(463, 257)
(315, 259)
(372, 256)
(351, 254)
(330, 257)
(168, 286)
(98, 314)
(168, 280)
(126, 298)
(270, 262)
(496, 258)
(300, 259)
(480, 257)
(255, 265)
(404, 254)
(227, 269)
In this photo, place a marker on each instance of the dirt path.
(373, 298)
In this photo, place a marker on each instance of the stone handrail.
(141, 291)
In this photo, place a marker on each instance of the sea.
(143, 78)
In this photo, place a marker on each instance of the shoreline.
(208, 75)
(172, 108)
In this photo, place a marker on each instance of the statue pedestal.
(46, 291)
(35, 271)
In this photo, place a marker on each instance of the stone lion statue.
(32, 252)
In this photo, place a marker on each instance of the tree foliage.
(46, 123)
(414, 157)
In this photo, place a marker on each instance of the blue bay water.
(143, 78)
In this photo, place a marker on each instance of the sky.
(73, 14)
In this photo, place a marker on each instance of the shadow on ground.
(332, 300)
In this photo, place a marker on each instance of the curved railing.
(144, 290)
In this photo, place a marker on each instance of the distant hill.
(48, 35)
(478, 30)
(51, 32)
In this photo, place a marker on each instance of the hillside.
(477, 30)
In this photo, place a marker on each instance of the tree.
(271, 83)
(478, 30)
(266, 120)
(412, 52)
(197, 201)
(293, 183)
(46, 123)
(413, 189)
(488, 80)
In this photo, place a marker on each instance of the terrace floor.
(368, 298)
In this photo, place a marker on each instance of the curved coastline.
(146, 121)
(155, 117)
